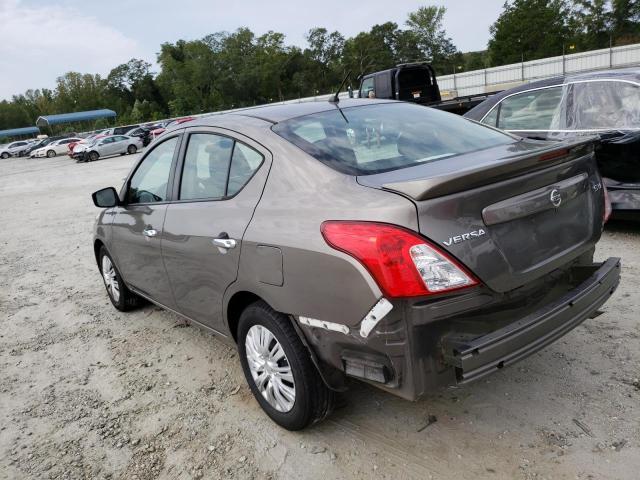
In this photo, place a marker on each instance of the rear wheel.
(51, 153)
(121, 297)
(93, 156)
(131, 149)
(279, 370)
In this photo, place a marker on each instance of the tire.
(131, 149)
(4, 155)
(51, 153)
(92, 156)
(124, 299)
(312, 400)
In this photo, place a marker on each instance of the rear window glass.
(383, 137)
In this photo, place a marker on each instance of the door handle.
(149, 232)
(224, 242)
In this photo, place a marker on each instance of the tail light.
(402, 262)
(607, 205)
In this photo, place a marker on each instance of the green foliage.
(528, 29)
(532, 29)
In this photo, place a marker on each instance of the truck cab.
(412, 82)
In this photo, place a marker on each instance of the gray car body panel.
(282, 258)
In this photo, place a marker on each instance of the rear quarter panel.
(318, 281)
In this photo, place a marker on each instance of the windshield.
(389, 136)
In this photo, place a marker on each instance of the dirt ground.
(89, 392)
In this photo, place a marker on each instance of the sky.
(41, 40)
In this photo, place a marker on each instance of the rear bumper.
(474, 359)
(424, 344)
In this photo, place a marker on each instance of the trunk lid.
(510, 214)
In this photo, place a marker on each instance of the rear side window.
(534, 110)
(149, 182)
(604, 105)
(367, 86)
(382, 137)
(244, 163)
(206, 166)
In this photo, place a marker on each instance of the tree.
(430, 37)
(528, 29)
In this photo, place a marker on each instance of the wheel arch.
(242, 299)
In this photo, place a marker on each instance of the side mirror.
(105, 198)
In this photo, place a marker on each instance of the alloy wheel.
(110, 278)
(270, 368)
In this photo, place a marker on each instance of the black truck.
(415, 82)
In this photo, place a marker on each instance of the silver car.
(438, 254)
(111, 145)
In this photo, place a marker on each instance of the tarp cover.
(74, 117)
(13, 132)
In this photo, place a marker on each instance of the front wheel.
(279, 370)
(4, 155)
(93, 156)
(51, 153)
(121, 297)
(131, 149)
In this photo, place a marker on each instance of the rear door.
(138, 225)
(219, 182)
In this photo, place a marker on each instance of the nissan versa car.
(435, 256)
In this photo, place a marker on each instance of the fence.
(499, 78)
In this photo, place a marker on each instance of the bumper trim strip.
(479, 357)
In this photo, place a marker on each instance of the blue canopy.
(14, 132)
(49, 120)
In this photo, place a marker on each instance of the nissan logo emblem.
(555, 197)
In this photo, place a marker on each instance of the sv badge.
(464, 236)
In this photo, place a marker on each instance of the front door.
(138, 225)
(220, 183)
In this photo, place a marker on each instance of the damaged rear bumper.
(423, 344)
(475, 358)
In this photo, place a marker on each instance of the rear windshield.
(379, 138)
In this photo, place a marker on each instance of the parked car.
(428, 262)
(124, 129)
(12, 149)
(142, 132)
(159, 131)
(89, 139)
(606, 104)
(54, 148)
(107, 146)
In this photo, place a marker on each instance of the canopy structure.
(17, 132)
(50, 120)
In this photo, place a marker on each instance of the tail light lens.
(402, 262)
(607, 205)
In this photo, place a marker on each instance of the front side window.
(206, 166)
(533, 110)
(149, 183)
(604, 105)
(387, 136)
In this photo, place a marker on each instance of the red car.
(159, 131)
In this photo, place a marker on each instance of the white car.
(55, 148)
(13, 148)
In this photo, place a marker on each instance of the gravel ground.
(89, 392)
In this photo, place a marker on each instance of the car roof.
(275, 113)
